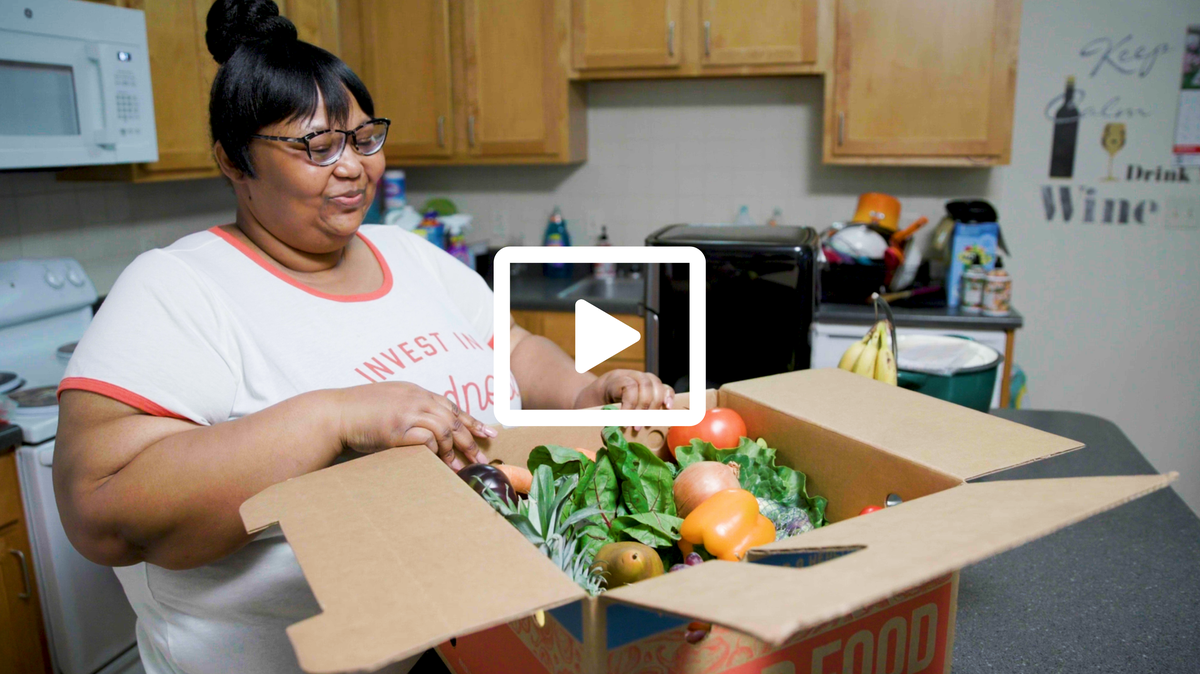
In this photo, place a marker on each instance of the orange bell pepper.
(727, 524)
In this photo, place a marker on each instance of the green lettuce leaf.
(562, 460)
(758, 474)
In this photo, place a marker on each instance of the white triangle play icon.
(599, 336)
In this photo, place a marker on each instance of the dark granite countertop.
(862, 314)
(1118, 593)
(530, 291)
(10, 437)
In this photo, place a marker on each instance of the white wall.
(1112, 313)
(662, 152)
(103, 225)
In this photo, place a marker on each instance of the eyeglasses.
(325, 147)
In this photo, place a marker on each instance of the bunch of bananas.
(872, 356)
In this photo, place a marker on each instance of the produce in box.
(622, 514)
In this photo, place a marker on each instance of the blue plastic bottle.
(556, 235)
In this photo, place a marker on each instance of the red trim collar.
(382, 290)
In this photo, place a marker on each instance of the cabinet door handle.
(471, 130)
(441, 126)
(708, 38)
(841, 128)
(24, 574)
(671, 38)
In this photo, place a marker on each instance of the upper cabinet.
(694, 38)
(513, 78)
(930, 82)
(500, 81)
(626, 33)
(410, 79)
(758, 32)
(469, 81)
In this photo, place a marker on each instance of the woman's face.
(316, 209)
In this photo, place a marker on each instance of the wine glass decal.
(1112, 141)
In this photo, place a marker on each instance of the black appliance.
(761, 295)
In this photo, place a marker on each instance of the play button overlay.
(599, 336)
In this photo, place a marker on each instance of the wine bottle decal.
(1066, 132)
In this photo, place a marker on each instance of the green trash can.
(955, 369)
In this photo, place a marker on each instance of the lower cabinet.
(559, 327)
(22, 640)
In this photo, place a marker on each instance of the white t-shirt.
(206, 330)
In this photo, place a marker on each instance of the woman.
(259, 351)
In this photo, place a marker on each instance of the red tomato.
(721, 426)
(870, 509)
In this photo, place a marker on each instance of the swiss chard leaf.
(646, 480)
(598, 487)
(658, 530)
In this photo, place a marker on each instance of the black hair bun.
(232, 23)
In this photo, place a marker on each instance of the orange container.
(881, 209)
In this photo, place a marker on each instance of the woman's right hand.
(375, 417)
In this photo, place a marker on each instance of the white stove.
(45, 307)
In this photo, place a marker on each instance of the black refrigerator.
(760, 294)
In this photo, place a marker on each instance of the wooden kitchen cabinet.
(559, 327)
(469, 81)
(23, 647)
(614, 39)
(410, 80)
(929, 83)
(749, 32)
(626, 33)
(181, 73)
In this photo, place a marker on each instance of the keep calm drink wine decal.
(1117, 121)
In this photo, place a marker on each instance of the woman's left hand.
(632, 389)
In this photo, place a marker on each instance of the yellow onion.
(699, 481)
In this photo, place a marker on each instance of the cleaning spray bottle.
(556, 235)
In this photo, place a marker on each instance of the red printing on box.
(837, 647)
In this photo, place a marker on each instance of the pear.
(627, 562)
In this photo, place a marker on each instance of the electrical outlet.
(500, 226)
(1182, 213)
(595, 221)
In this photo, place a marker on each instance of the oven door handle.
(652, 337)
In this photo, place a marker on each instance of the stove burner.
(9, 381)
(38, 397)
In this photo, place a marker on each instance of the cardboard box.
(403, 556)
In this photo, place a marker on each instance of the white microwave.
(74, 85)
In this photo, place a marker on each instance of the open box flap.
(944, 436)
(401, 554)
(893, 550)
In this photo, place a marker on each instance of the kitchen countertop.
(864, 314)
(531, 291)
(1119, 592)
(10, 437)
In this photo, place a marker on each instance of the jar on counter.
(973, 280)
(997, 291)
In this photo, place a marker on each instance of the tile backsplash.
(695, 150)
(103, 225)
